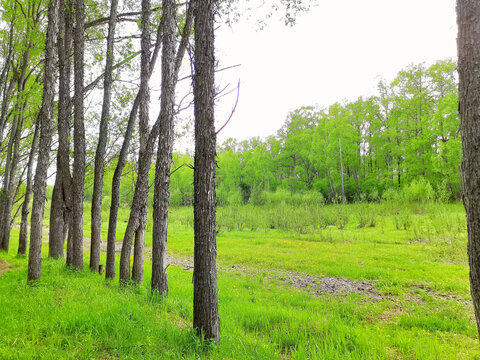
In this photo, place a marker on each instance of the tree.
(78, 137)
(468, 18)
(205, 303)
(102, 143)
(170, 69)
(61, 203)
(44, 119)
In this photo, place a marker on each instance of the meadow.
(405, 264)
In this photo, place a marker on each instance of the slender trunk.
(45, 123)
(22, 240)
(78, 138)
(7, 86)
(205, 303)
(122, 158)
(96, 213)
(10, 185)
(344, 199)
(164, 153)
(137, 271)
(468, 19)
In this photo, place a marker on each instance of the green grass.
(420, 270)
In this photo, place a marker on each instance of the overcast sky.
(338, 50)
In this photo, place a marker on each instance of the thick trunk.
(45, 122)
(57, 223)
(96, 213)
(205, 303)
(164, 153)
(63, 176)
(468, 19)
(78, 138)
(22, 240)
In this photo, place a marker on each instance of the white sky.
(338, 50)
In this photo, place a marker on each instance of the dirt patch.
(4, 267)
(439, 295)
(316, 285)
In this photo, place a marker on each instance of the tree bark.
(139, 248)
(96, 214)
(205, 303)
(64, 122)
(165, 141)
(22, 239)
(78, 137)
(45, 122)
(122, 158)
(164, 153)
(468, 19)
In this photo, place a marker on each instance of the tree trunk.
(137, 271)
(164, 153)
(468, 19)
(22, 239)
(205, 303)
(78, 138)
(122, 158)
(102, 143)
(45, 122)
(344, 199)
(62, 220)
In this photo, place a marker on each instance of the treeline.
(403, 142)
(405, 139)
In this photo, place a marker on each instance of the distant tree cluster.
(407, 133)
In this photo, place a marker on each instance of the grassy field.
(414, 257)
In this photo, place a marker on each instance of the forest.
(351, 233)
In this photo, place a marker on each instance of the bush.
(418, 191)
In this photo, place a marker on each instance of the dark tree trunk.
(139, 249)
(139, 202)
(45, 121)
(122, 158)
(102, 143)
(468, 19)
(22, 239)
(78, 138)
(59, 208)
(164, 153)
(115, 200)
(60, 221)
(205, 303)
(165, 142)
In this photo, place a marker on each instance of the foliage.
(406, 138)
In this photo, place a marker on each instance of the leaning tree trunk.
(22, 239)
(45, 122)
(122, 158)
(78, 138)
(8, 189)
(165, 142)
(468, 19)
(139, 249)
(205, 303)
(96, 213)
